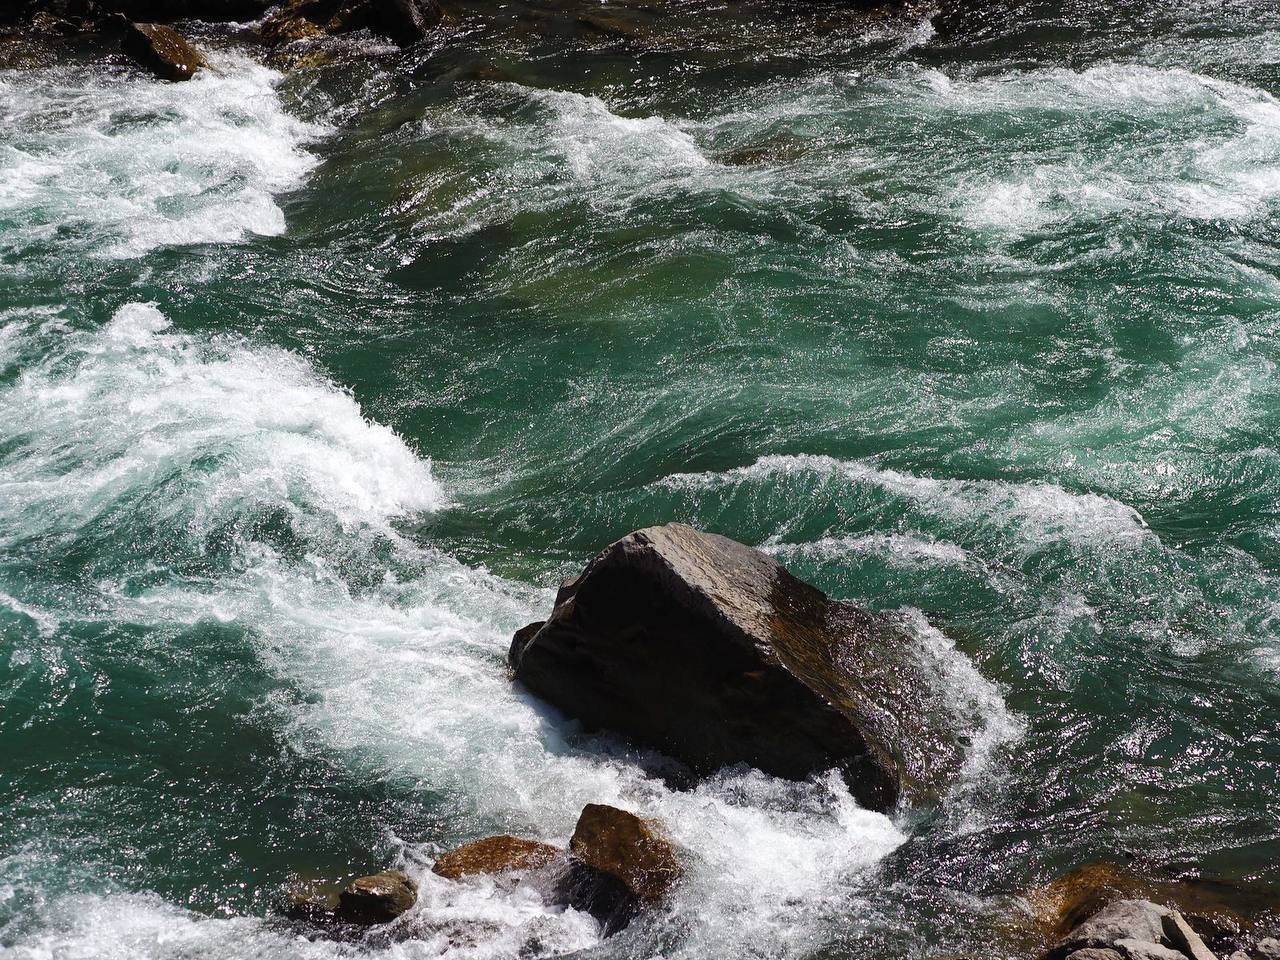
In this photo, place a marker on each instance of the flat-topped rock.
(713, 653)
(500, 854)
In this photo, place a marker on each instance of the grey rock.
(1096, 953)
(1180, 936)
(1144, 950)
(1138, 920)
(711, 652)
(1239, 955)
(1267, 948)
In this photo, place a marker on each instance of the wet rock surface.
(618, 864)
(1217, 912)
(711, 652)
(628, 848)
(500, 854)
(162, 51)
(378, 898)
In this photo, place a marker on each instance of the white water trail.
(1038, 513)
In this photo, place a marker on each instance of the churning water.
(312, 388)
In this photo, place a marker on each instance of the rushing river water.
(312, 387)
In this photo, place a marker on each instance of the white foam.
(597, 143)
(1039, 512)
(976, 703)
(898, 548)
(1116, 138)
(133, 410)
(117, 166)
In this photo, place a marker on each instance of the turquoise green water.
(313, 387)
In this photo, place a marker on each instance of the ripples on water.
(312, 387)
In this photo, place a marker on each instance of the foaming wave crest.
(1040, 512)
(118, 166)
(195, 432)
(1113, 139)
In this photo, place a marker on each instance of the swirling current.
(313, 385)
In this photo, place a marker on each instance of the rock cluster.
(140, 27)
(1105, 911)
(1132, 930)
(712, 653)
(617, 864)
(402, 21)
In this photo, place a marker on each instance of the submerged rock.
(713, 653)
(499, 854)
(161, 50)
(378, 898)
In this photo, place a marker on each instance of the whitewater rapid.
(209, 445)
(115, 166)
(906, 324)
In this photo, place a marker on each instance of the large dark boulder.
(714, 654)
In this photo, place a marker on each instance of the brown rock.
(627, 848)
(162, 50)
(495, 855)
(713, 653)
(378, 898)
(282, 28)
